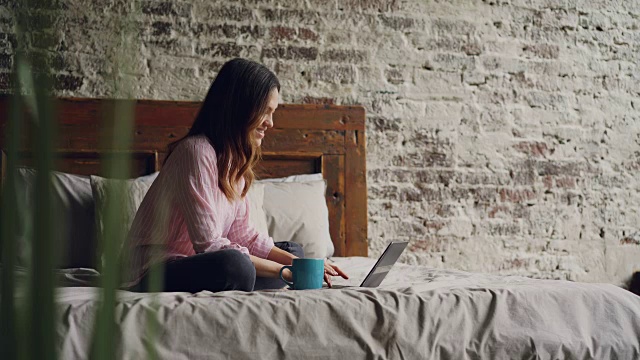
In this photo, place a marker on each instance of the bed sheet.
(417, 312)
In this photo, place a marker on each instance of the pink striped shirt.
(185, 213)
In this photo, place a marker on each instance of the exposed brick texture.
(5, 82)
(291, 53)
(502, 136)
(68, 82)
(167, 8)
(5, 61)
(318, 100)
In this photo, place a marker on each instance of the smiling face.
(266, 121)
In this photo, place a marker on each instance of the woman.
(206, 242)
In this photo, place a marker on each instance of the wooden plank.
(322, 117)
(333, 173)
(356, 203)
(89, 162)
(301, 154)
(144, 138)
(323, 141)
(158, 137)
(79, 111)
(156, 162)
(275, 168)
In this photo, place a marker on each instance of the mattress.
(417, 312)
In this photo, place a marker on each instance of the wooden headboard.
(305, 139)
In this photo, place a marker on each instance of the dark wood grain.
(324, 141)
(79, 111)
(356, 204)
(322, 117)
(89, 162)
(333, 172)
(275, 168)
(305, 139)
(3, 166)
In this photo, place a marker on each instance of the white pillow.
(296, 178)
(73, 207)
(257, 217)
(297, 212)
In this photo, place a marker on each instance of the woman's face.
(267, 118)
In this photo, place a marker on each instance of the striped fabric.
(185, 213)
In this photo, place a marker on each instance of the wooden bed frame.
(305, 139)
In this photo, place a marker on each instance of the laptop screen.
(384, 263)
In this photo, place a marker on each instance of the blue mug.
(307, 274)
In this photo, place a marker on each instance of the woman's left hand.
(332, 270)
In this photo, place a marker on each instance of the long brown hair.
(232, 109)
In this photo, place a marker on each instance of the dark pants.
(218, 271)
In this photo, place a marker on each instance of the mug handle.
(281, 270)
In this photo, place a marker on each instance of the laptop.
(382, 267)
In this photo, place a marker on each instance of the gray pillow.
(73, 207)
(134, 192)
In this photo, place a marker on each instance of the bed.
(417, 312)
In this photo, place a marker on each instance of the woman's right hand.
(270, 269)
(287, 275)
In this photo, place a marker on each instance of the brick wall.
(502, 135)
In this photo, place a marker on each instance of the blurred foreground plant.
(27, 306)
